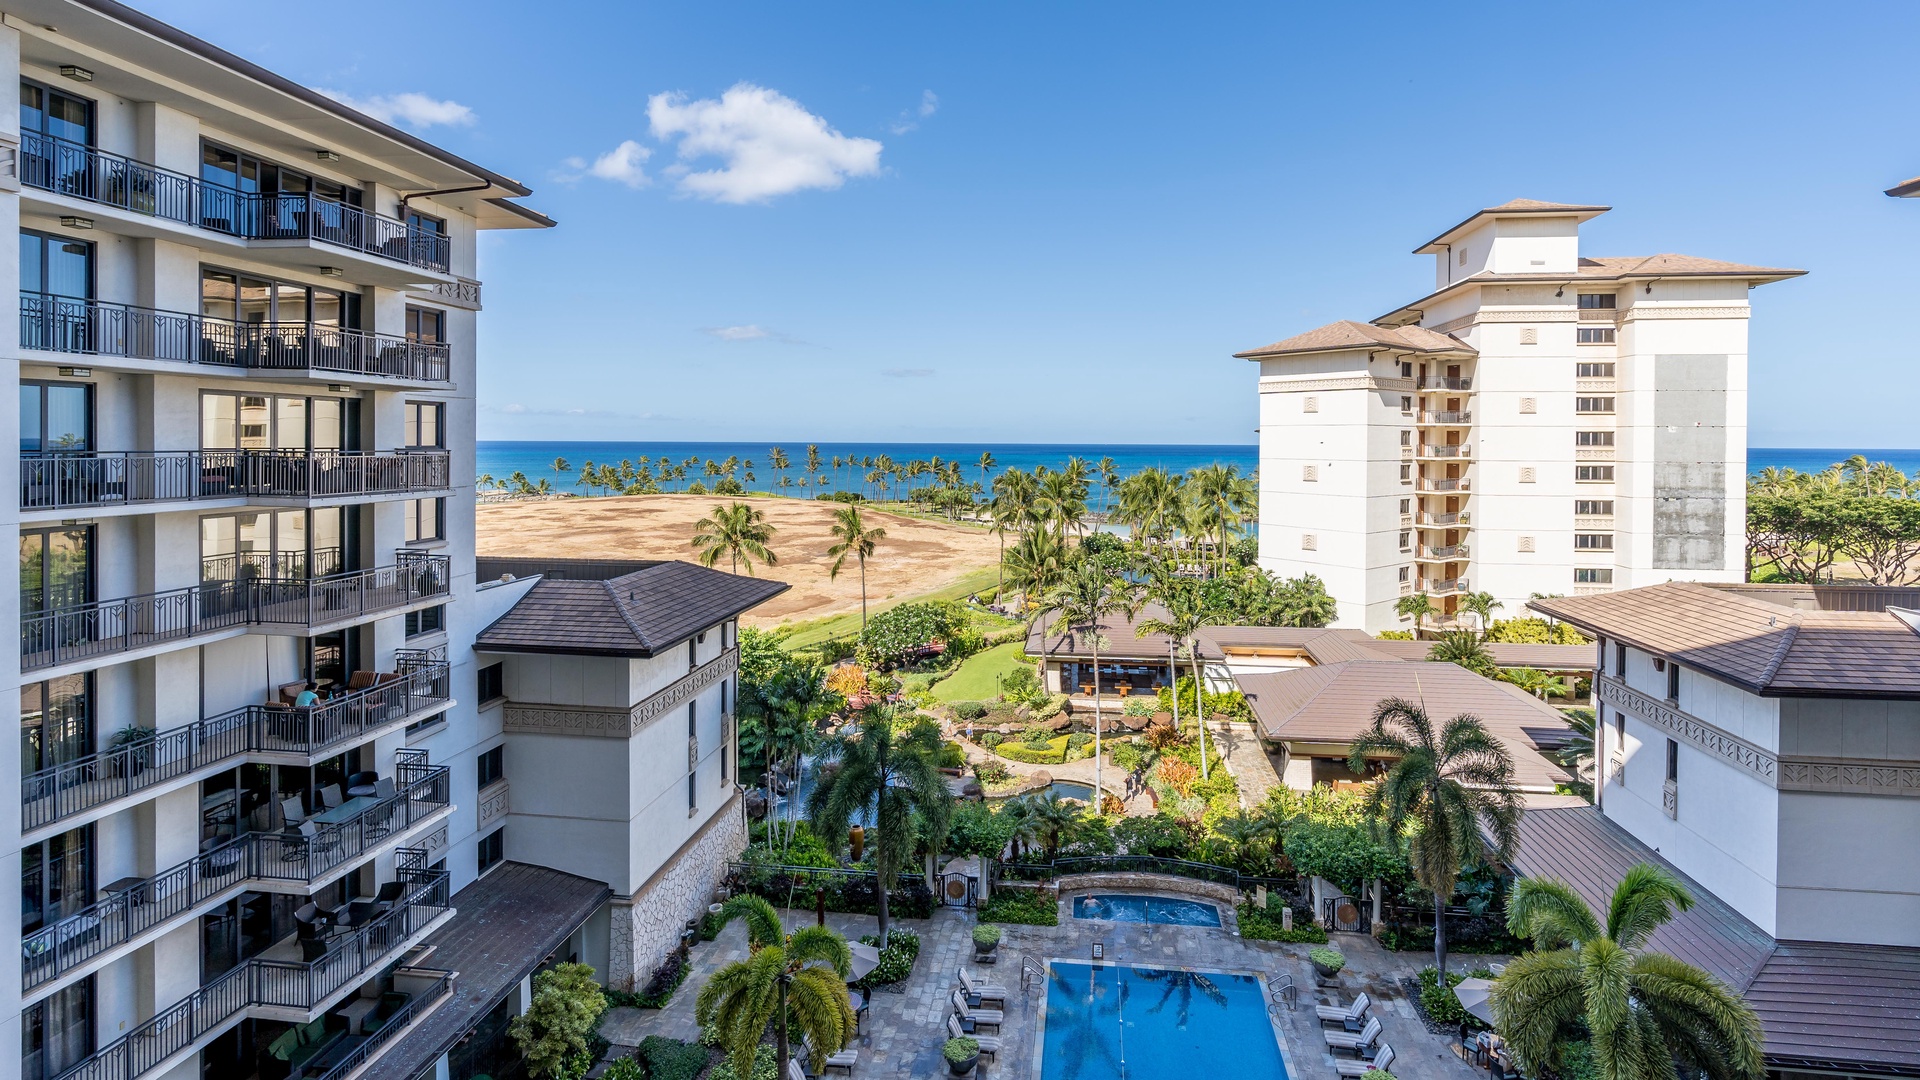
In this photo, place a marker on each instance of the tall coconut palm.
(1151, 502)
(1186, 604)
(894, 774)
(798, 978)
(1035, 564)
(853, 538)
(1217, 495)
(1483, 605)
(778, 461)
(1090, 593)
(1650, 1016)
(1002, 515)
(1419, 605)
(1447, 790)
(738, 531)
(986, 464)
(1109, 474)
(1062, 503)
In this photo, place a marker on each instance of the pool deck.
(904, 1032)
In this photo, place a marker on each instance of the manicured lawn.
(802, 635)
(977, 679)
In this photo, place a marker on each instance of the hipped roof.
(636, 614)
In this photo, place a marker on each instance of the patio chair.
(362, 912)
(361, 783)
(1380, 1061)
(309, 922)
(330, 796)
(989, 1044)
(292, 810)
(982, 992)
(1358, 1043)
(795, 1071)
(839, 1059)
(383, 788)
(1345, 1014)
(990, 1017)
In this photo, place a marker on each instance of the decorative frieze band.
(1350, 382)
(463, 293)
(436, 840)
(1526, 315)
(1688, 728)
(493, 802)
(1643, 311)
(1849, 778)
(605, 723)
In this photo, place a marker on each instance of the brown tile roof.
(1513, 207)
(1767, 648)
(504, 926)
(1831, 1006)
(1118, 630)
(1905, 189)
(1334, 703)
(1608, 268)
(636, 614)
(1321, 645)
(1348, 335)
(1505, 654)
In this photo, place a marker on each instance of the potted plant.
(1326, 962)
(138, 742)
(962, 1055)
(985, 940)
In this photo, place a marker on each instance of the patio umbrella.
(1473, 996)
(865, 959)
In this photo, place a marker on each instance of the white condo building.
(244, 352)
(1541, 423)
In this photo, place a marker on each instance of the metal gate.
(1346, 913)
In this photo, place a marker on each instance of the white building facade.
(1541, 423)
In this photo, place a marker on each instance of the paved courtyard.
(904, 1031)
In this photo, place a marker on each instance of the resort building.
(1764, 742)
(1542, 422)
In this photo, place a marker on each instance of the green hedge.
(1054, 754)
(1265, 926)
(1439, 1001)
(896, 960)
(1030, 907)
(671, 1059)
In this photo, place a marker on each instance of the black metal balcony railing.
(1446, 382)
(105, 627)
(268, 983)
(68, 324)
(419, 1004)
(71, 479)
(76, 786)
(56, 949)
(83, 172)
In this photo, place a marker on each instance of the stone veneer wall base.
(647, 925)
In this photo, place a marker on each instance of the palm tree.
(1463, 647)
(1052, 816)
(1483, 605)
(778, 461)
(1442, 789)
(1575, 754)
(1109, 478)
(1089, 594)
(799, 977)
(1418, 605)
(1248, 834)
(895, 775)
(1002, 515)
(1186, 604)
(1062, 503)
(986, 464)
(852, 537)
(1218, 497)
(1650, 1016)
(736, 530)
(1151, 502)
(1024, 829)
(1537, 682)
(1035, 564)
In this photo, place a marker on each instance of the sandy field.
(917, 556)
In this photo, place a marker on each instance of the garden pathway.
(1253, 769)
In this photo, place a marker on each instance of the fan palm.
(853, 538)
(736, 530)
(1052, 816)
(1090, 593)
(1651, 1016)
(1443, 787)
(896, 775)
(1465, 648)
(797, 978)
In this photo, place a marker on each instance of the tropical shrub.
(1161, 836)
(764, 1067)
(953, 756)
(959, 1051)
(1078, 739)
(671, 1059)
(1232, 704)
(1052, 752)
(991, 739)
(1346, 855)
(1535, 631)
(1022, 684)
(986, 937)
(1127, 754)
(893, 634)
(976, 830)
(627, 1068)
(1050, 708)
(1177, 775)
(1330, 959)
(896, 960)
(848, 680)
(1259, 925)
(1439, 1002)
(1030, 907)
(566, 1005)
(1037, 736)
(969, 710)
(1395, 635)
(1141, 706)
(992, 773)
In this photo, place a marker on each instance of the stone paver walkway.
(1252, 767)
(904, 1031)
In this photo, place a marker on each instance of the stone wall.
(1163, 883)
(647, 926)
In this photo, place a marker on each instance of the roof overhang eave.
(1584, 213)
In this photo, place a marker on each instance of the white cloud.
(413, 110)
(622, 165)
(770, 145)
(910, 118)
(739, 333)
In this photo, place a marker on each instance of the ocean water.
(501, 459)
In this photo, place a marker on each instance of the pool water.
(1067, 789)
(1113, 1022)
(1146, 909)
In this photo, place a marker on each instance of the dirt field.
(917, 556)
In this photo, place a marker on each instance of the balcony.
(73, 480)
(72, 325)
(1443, 554)
(1443, 521)
(109, 627)
(1447, 483)
(421, 685)
(1445, 382)
(1432, 452)
(1447, 418)
(299, 987)
(96, 176)
(247, 862)
(1443, 588)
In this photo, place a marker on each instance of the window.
(1592, 575)
(1406, 473)
(272, 422)
(1596, 301)
(56, 722)
(1593, 438)
(423, 427)
(1593, 541)
(56, 878)
(427, 620)
(1619, 660)
(55, 417)
(1597, 474)
(1673, 685)
(1406, 405)
(425, 519)
(1673, 762)
(1406, 506)
(493, 682)
(1406, 540)
(233, 297)
(1594, 371)
(56, 1033)
(55, 266)
(493, 767)
(49, 112)
(1593, 404)
(421, 727)
(426, 325)
(56, 571)
(1406, 438)
(1593, 507)
(280, 544)
(493, 848)
(1406, 372)
(1593, 335)
(426, 223)
(1405, 574)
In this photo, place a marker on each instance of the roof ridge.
(625, 616)
(1781, 650)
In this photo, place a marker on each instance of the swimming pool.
(1146, 909)
(1113, 1022)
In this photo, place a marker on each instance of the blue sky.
(1049, 222)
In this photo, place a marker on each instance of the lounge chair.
(982, 992)
(1380, 1061)
(1358, 1043)
(839, 1059)
(1345, 1014)
(989, 1044)
(795, 1071)
(990, 1017)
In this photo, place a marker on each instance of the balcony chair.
(293, 810)
(310, 921)
(362, 912)
(383, 788)
(361, 783)
(312, 949)
(330, 796)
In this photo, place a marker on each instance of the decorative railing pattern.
(73, 787)
(1447, 416)
(421, 1003)
(268, 983)
(73, 479)
(68, 324)
(1445, 483)
(1445, 382)
(1462, 518)
(83, 172)
(106, 627)
(56, 949)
